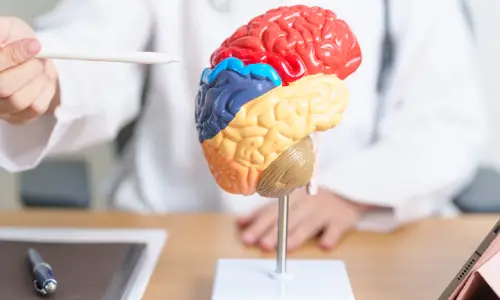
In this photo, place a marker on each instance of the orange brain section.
(265, 127)
(230, 175)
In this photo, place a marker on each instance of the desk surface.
(417, 262)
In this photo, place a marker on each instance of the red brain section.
(296, 41)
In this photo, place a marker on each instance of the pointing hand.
(28, 86)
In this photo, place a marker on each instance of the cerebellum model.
(271, 84)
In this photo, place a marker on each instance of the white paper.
(153, 238)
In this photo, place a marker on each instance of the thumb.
(17, 53)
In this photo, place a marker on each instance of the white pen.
(137, 57)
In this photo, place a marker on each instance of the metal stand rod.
(282, 234)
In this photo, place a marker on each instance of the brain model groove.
(271, 84)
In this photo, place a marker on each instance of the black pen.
(44, 280)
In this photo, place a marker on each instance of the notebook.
(87, 264)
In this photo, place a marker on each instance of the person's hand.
(28, 86)
(325, 214)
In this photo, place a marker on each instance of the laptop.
(471, 262)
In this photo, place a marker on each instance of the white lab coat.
(431, 132)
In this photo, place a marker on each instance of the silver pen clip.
(48, 287)
(39, 288)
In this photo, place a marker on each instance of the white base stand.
(252, 279)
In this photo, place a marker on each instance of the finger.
(298, 211)
(245, 220)
(17, 53)
(269, 240)
(55, 101)
(261, 224)
(11, 81)
(37, 108)
(331, 236)
(25, 97)
(306, 229)
(13, 29)
(49, 68)
(297, 214)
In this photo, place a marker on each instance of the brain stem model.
(273, 83)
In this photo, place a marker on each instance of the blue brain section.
(236, 65)
(225, 89)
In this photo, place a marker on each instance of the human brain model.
(273, 83)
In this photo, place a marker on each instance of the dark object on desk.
(43, 276)
(56, 184)
(483, 194)
(85, 271)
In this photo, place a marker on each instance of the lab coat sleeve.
(97, 98)
(432, 136)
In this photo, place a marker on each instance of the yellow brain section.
(266, 126)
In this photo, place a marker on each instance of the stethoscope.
(221, 5)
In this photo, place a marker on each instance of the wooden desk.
(416, 263)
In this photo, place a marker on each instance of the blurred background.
(76, 180)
